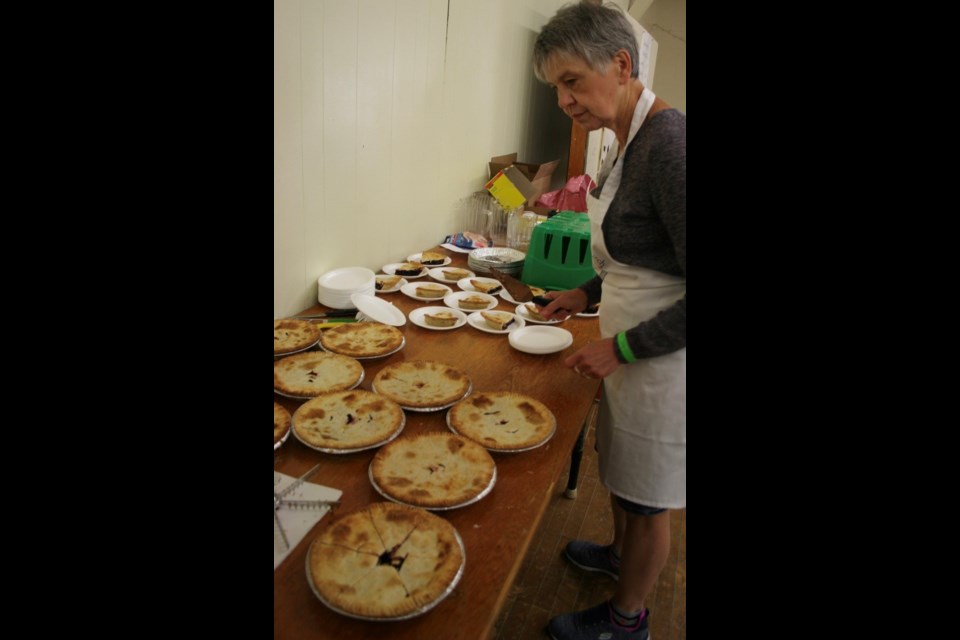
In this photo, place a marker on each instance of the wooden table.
(497, 530)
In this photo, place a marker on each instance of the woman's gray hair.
(588, 31)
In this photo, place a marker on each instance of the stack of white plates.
(334, 288)
(509, 261)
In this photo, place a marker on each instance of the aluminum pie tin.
(356, 384)
(389, 438)
(403, 342)
(427, 409)
(413, 614)
(491, 450)
(290, 353)
(284, 437)
(483, 493)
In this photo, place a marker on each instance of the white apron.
(642, 423)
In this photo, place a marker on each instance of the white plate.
(437, 274)
(509, 298)
(410, 290)
(416, 258)
(584, 314)
(402, 282)
(345, 279)
(477, 322)
(540, 340)
(466, 286)
(417, 317)
(378, 310)
(522, 311)
(391, 270)
(451, 300)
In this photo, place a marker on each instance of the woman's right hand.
(564, 304)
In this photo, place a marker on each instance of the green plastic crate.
(559, 255)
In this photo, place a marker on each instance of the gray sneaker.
(592, 557)
(596, 623)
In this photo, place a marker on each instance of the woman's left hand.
(595, 360)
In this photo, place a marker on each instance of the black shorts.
(637, 509)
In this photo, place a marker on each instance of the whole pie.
(385, 561)
(281, 422)
(309, 374)
(362, 339)
(433, 470)
(421, 384)
(347, 420)
(502, 420)
(293, 335)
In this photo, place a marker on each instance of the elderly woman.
(638, 214)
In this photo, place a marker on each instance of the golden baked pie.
(347, 420)
(498, 320)
(281, 422)
(421, 384)
(309, 374)
(454, 274)
(432, 258)
(473, 302)
(386, 282)
(385, 561)
(502, 420)
(433, 470)
(486, 287)
(431, 291)
(293, 335)
(362, 339)
(408, 269)
(441, 319)
(531, 310)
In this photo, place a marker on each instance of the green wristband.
(624, 347)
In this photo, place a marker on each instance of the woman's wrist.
(621, 348)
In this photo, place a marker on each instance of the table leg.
(577, 455)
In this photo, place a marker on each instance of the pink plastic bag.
(573, 196)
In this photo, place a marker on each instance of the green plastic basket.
(559, 255)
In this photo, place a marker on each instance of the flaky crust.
(347, 420)
(473, 302)
(309, 374)
(293, 335)
(385, 561)
(281, 421)
(502, 420)
(433, 470)
(362, 339)
(421, 384)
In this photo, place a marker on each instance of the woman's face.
(585, 95)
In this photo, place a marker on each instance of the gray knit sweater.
(646, 224)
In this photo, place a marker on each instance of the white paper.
(297, 523)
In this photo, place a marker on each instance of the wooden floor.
(548, 585)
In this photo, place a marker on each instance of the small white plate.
(402, 282)
(417, 317)
(410, 290)
(466, 286)
(416, 258)
(378, 310)
(509, 298)
(584, 314)
(437, 274)
(540, 340)
(452, 300)
(391, 270)
(477, 322)
(523, 313)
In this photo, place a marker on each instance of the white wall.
(666, 20)
(385, 115)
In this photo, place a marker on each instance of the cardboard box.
(523, 180)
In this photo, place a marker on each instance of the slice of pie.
(362, 339)
(385, 561)
(347, 420)
(408, 269)
(433, 470)
(441, 319)
(455, 274)
(386, 282)
(309, 374)
(498, 320)
(502, 420)
(431, 291)
(531, 310)
(281, 422)
(473, 302)
(293, 335)
(421, 384)
(432, 258)
(486, 287)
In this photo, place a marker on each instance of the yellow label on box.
(503, 190)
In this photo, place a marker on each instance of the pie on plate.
(281, 424)
(385, 561)
(433, 470)
(307, 375)
(347, 421)
(421, 384)
(362, 339)
(431, 291)
(432, 258)
(293, 335)
(441, 319)
(503, 420)
(473, 302)
(496, 320)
